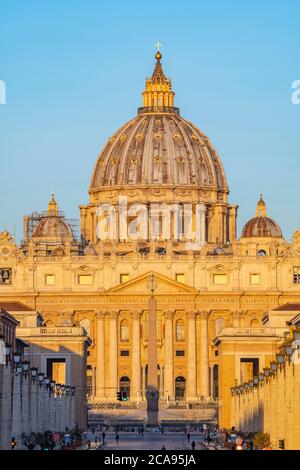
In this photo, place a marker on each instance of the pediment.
(163, 285)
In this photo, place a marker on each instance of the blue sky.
(74, 71)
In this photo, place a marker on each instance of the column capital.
(136, 314)
(112, 314)
(100, 314)
(203, 314)
(191, 314)
(169, 314)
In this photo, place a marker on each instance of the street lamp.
(47, 381)
(41, 378)
(16, 358)
(280, 359)
(247, 386)
(26, 365)
(57, 386)
(68, 388)
(273, 365)
(73, 390)
(261, 376)
(52, 385)
(255, 381)
(267, 371)
(251, 383)
(33, 371)
(19, 369)
(63, 388)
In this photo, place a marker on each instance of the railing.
(158, 109)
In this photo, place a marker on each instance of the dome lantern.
(158, 95)
(52, 206)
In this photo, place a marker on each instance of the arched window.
(254, 323)
(124, 331)
(261, 253)
(219, 324)
(125, 387)
(180, 386)
(180, 330)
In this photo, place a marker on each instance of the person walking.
(117, 438)
(193, 444)
(188, 437)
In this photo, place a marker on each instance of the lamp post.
(34, 399)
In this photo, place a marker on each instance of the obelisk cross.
(158, 46)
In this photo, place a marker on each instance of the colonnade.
(269, 402)
(107, 381)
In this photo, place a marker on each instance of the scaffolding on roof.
(31, 221)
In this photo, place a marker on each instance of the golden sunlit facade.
(210, 298)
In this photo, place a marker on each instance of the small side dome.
(261, 226)
(52, 225)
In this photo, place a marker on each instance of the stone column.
(191, 357)
(143, 382)
(169, 355)
(17, 408)
(113, 386)
(100, 356)
(204, 384)
(6, 407)
(135, 388)
(289, 406)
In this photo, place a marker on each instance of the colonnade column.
(113, 356)
(169, 356)
(204, 384)
(191, 356)
(135, 392)
(100, 355)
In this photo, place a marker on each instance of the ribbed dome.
(261, 226)
(52, 226)
(160, 148)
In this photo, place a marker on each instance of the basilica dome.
(159, 147)
(52, 225)
(261, 226)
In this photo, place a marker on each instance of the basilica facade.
(211, 287)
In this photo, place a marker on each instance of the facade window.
(180, 330)
(125, 387)
(296, 275)
(180, 353)
(180, 277)
(124, 353)
(255, 279)
(85, 279)
(5, 276)
(124, 277)
(50, 279)
(261, 253)
(180, 386)
(220, 279)
(124, 331)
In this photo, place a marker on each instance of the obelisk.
(152, 387)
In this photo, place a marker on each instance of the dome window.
(261, 253)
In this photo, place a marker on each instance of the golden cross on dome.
(158, 46)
